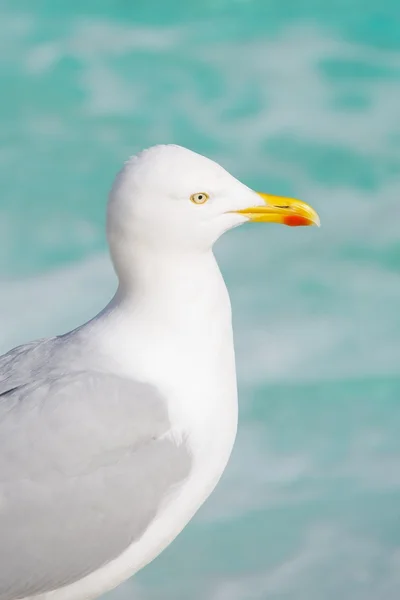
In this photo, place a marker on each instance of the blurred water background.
(299, 98)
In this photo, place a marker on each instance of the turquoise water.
(298, 98)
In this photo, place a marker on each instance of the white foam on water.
(283, 72)
(54, 302)
(331, 561)
(258, 477)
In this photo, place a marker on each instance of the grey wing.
(18, 365)
(84, 467)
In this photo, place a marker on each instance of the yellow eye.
(199, 198)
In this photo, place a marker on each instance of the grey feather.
(84, 465)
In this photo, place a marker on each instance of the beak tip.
(299, 221)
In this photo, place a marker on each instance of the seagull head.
(170, 199)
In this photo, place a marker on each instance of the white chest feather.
(178, 337)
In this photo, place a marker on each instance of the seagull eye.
(199, 198)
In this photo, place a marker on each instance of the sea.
(293, 97)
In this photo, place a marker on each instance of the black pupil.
(200, 197)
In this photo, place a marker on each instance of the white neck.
(173, 290)
(171, 327)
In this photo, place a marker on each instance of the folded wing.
(85, 463)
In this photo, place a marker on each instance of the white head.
(169, 199)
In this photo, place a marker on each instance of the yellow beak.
(278, 209)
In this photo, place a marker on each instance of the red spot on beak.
(296, 221)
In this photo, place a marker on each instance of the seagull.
(114, 434)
